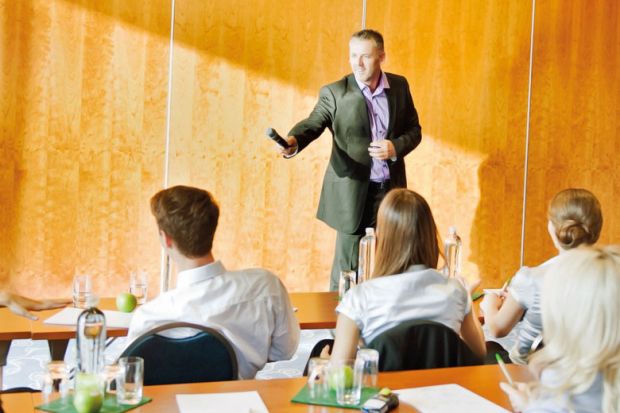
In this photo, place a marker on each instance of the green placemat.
(303, 396)
(65, 405)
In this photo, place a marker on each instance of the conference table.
(314, 310)
(277, 393)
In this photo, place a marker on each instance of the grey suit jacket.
(342, 109)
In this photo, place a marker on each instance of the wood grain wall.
(468, 69)
(83, 106)
(575, 125)
(83, 118)
(238, 70)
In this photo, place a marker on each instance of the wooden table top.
(277, 393)
(13, 327)
(17, 403)
(314, 310)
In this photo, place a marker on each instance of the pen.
(502, 366)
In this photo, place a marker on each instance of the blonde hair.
(406, 233)
(576, 217)
(580, 302)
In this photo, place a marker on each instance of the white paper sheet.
(69, 315)
(447, 398)
(237, 402)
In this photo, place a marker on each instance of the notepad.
(69, 315)
(237, 402)
(447, 398)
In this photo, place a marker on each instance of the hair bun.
(572, 234)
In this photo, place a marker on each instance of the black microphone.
(271, 132)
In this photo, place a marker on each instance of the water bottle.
(366, 261)
(90, 340)
(452, 251)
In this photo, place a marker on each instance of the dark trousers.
(347, 245)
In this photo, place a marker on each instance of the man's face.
(365, 59)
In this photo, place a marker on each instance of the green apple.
(88, 397)
(333, 379)
(86, 401)
(126, 302)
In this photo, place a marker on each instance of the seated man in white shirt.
(250, 307)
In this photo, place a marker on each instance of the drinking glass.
(138, 285)
(347, 280)
(370, 366)
(82, 290)
(110, 373)
(55, 380)
(317, 377)
(346, 377)
(129, 380)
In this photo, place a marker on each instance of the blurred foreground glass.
(346, 377)
(82, 290)
(129, 380)
(370, 366)
(139, 285)
(317, 377)
(55, 380)
(347, 280)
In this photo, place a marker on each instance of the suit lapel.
(361, 111)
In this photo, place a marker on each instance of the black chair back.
(416, 345)
(206, 356)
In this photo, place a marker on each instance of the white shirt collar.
(194, 275)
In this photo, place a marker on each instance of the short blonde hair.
(580, 302)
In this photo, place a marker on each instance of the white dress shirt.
(249, 307)
(420, 293)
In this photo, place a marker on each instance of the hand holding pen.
(516, 392)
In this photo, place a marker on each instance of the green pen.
(502, 366)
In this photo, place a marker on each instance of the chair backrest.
(206, 356)
(416, 344)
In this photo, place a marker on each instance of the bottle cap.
(370, 231)
(452, 230)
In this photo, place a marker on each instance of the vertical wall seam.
(363, 14)
(527, 134)
(164, 274)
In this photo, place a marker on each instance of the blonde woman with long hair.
(578, 370)
(405, 284)
(574, 219)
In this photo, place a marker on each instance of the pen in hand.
(502, 366)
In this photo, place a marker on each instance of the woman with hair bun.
(574, 219)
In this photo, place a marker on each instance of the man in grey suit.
(374, 126)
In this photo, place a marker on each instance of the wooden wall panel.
(467, 64)
(83, 118)
(238, 70)
(575, 126)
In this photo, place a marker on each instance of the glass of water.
(129, 380)
(138, 285)
(82, 290)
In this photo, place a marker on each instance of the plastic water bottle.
(90, 340)
(366, 261)
(452, 251)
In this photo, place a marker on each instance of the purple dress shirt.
(379, 116)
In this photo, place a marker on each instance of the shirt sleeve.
(522, 288)
(285, 336)
(352, 306)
